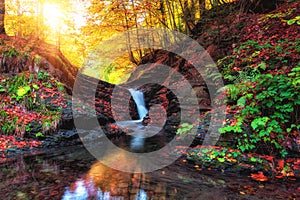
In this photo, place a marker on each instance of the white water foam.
(137, 142)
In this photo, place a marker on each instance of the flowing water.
(138, 97)
(72, 173)
(138, 133)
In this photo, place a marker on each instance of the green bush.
(271, 106)
(264, 95)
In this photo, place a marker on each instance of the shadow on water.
(72, 173)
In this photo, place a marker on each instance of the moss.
(36, 109)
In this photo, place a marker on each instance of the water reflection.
(88, 191)
(72, 173)
(102, 182)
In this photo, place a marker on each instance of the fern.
(233, 91)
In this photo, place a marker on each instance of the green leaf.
(291, 21)
(22, 91)
(39, 134)
(279, 49)
(235, 154)
(270, 104)
(296, 69)
(185, 124)
(242, 101)
(221, 160)
(256, 53)
(259, 122)
(262, 65)
(35, 86)
(285, 94)
(242, 148)
(263, 133)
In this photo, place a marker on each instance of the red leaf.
(259, 177)
(280, 164)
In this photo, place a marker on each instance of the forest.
(140, 99)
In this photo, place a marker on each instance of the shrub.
(264, 96)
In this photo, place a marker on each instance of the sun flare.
(53, 15)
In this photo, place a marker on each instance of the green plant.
(220, 155)
(59, 86)
(10, 52)
(184, 128)
(43, 75)
(15, 83)
(8, 125)
(28, 128)
(294, 20)
(263, 82)
(22, 91)
(2, 88)
(37, 59)
(48, 85)
(233, 91)
(50, 123)
(252, 58)
(22, 88)
(39, 134)
(269, 107)
(279, 15)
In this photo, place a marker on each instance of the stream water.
(139, 132)
(137, 142)
(138, 98)
(72, 173)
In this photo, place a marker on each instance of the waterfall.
(137, 143)
(138, 98)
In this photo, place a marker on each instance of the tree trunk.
(2, 14)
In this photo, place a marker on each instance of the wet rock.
(67, 134)
(67, 121)
(101, 103)
(90, 135)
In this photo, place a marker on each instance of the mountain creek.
(73, 173)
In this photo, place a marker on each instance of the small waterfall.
(138, 98)
(137, 143)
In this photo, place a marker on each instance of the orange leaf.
(279, 176)
(231, 160)
(259, 177)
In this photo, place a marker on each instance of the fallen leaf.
(280, 164)
(279, 176)
(259, 177)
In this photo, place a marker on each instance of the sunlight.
(52, 14)
(80, 9)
